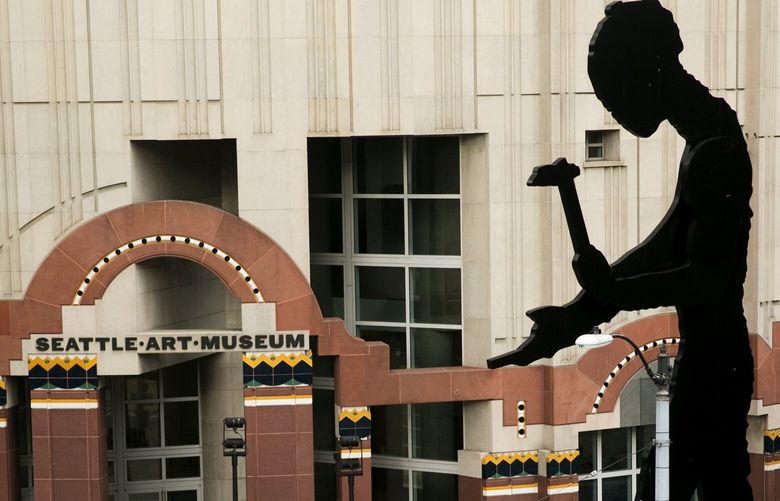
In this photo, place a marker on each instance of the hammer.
(561, 173)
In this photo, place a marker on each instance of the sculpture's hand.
(595, 274)
(556, 327)
(547, 336)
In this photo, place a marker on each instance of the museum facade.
(313, 215)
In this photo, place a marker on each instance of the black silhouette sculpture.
(695, 259)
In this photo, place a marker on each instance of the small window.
(602, 145)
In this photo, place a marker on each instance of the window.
(385, 219)
(602, 145)
(616, 455)
(154, 436)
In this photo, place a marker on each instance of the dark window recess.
(435, 348)
(325, 234)
(325, 482)
(327, 282)
(381, 293)
(324, 420)
(436, 295)
(324, 158)
(389, 435)
(393, 485)
(435, 165)
(434, 227)
(378, 165)
(437, 430)
(379, 226)
(429, 485)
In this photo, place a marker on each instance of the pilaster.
(68, 430)
(279, 432)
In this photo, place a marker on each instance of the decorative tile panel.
(565, 488)
(772, 449)
(277, 369)
(355, 422)
(563, 463)
(62, 373)
(489, 491)
(510, 464)
(772, 441)
(3, 392)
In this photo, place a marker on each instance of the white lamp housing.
(593, 340)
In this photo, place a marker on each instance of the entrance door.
(154, 435)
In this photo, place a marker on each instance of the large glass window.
(394, 272)
(394, 276)
(616, 458)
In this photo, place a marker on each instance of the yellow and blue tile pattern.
(355, 422)
(3, 393)
(563, 463)
(510, 464)
(277, 369)
(772, 441)
(772, 450)
(62, 373)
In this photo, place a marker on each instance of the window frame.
(120, 455)
(633, 471)
(350, 260)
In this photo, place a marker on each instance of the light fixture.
(234, 446)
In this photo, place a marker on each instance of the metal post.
(351, 484)
(662, 441)
(234, 462)
(662, 445)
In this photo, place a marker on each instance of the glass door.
(154, 435)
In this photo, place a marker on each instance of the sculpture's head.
(633, 54)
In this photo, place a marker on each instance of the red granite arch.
(597, 364)
(63, 271)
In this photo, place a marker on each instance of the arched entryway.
(69, 406)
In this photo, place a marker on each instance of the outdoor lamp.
(234, 446)
(235, 423)
(349, 466)
(661, 441)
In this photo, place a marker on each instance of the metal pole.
(234, 462)
(351, 483)
(662, 441)
(662, 445)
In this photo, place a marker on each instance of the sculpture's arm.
(556, 327)
(708, 251)
(654, 253)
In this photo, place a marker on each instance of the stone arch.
(250, 264)
(612, 367)
(90, 257)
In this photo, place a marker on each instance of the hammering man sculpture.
(694, 260)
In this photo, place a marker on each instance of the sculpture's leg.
(711, 394)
